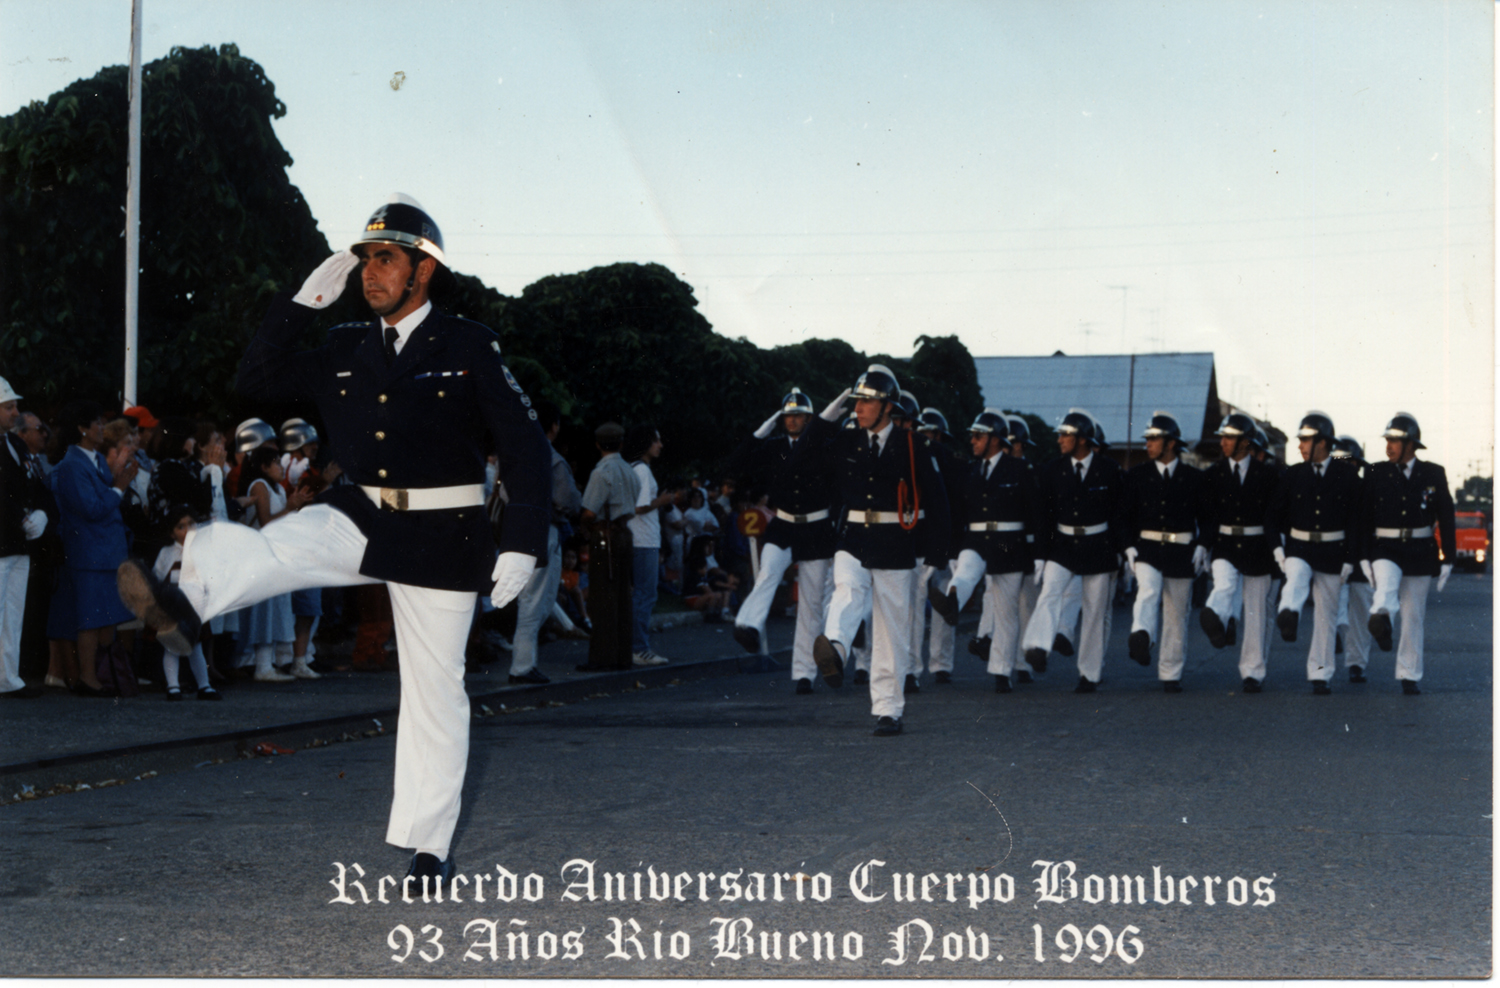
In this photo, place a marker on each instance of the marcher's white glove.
(1345, 571)
(34, 524)
(1443, 574)
(1041, 564)
(512, 570)
(1201, 561)
(836, 407)
(1130, 555)
(1280, 554)
(1367, 570)
(768, 425)
(323, 287)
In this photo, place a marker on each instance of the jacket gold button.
(381, 399)
(440, 394)
(381, 474)
(379, 435)
(342, 391)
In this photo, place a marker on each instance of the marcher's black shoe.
(980, 648)
(1022, 676)
(1286, 622)
(1409, 687)
(1229, 636)
(886, 727)
(804, 686)
(1037, 659)
(1251, 685)
(1139, 644)
(1380, 630)
(945, 604)
(830, 663)
(861, 677)
(532, 675)
(1061, 645)
(942, 676)
(1002, 684)
(426, 866)
(1085, 686)
(1357, 675)
(1213, 627)
(160, 605)
(1171, 686)
(748, 637)
(912, 686)
(1320, 687)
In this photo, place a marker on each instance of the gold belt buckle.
(393, 498)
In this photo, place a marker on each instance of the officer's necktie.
(1318, 469)
(874, 444)
(1078, 467)
(390, 345)
(987, 465)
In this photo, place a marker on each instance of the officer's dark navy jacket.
(1010, 494)
(864, 483)
(955, 471)
(1157, 504)
(15, 501)
(1330, 503)
(421, 422)
(1393, 501)
(1237, 505)
(797, 478)
(1099, 499)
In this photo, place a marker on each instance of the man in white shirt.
(642, 445)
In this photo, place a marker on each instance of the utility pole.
(133, 213)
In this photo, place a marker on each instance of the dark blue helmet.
(878, 383)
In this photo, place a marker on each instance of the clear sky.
(1305, 189)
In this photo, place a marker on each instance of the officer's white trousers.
(1067, 623)
(1095, 595)
(534, 606)
(1354, 618)
(1029, 593)
(1002, 595)
(1302, 580)
(1231, 590)
(1406, 596)
(14, 573)
(1162, 605)
(886, 594)
(940, 634)
(226, 566)
(814, 587)
(967, 574)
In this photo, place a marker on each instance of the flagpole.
(133, 212)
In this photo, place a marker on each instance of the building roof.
(1121, 390)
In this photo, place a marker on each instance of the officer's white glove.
(1345, 571)
(1130, 555)
(1036, 578)
(1443, 574)
(34, 524)
(323, 287)
(767, 426)
(1201, 561)
(1367, 570)
(836, 407)
(512, 570)
(1280, 555)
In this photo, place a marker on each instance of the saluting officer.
(1167, 513)
(1080, 535)
(793, 470)
(1406, 497)
(1316, 507)
(933, 426)
(1240, 489)
(996, 505)
(408, 399)
(896, 512)
(1355, 595)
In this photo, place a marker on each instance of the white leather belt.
(1302, 536)
(1242, 529)
(879, 517)
(1404, 533)
(1084, 529)
(801, 519)
(996, 526)
(1183, 537)
(426, 498)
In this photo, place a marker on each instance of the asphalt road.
(1338, 836)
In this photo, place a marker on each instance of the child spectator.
(272, 627)
(168, 569)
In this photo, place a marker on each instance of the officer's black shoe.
(1213, 627)
(804, 686)
(945, 604)
(861, 677)
(1140, 646)
(886, 727)
(1022, 676)
(1286, 621)
(1084, 686)
(1061, 645)
(748, 637)
(1229, 636)
(1251, 685)
(1409, 687)
(1037, 659)
(1171, 686)
(160, 605)
(1380, 630)
(1002, 684)
(980, 648)
(532, 675)
(427, 867)
(1320, 687)
(830, 663)
(912, 685)
(1338, 643)
(1357, 675)
(942, 677)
